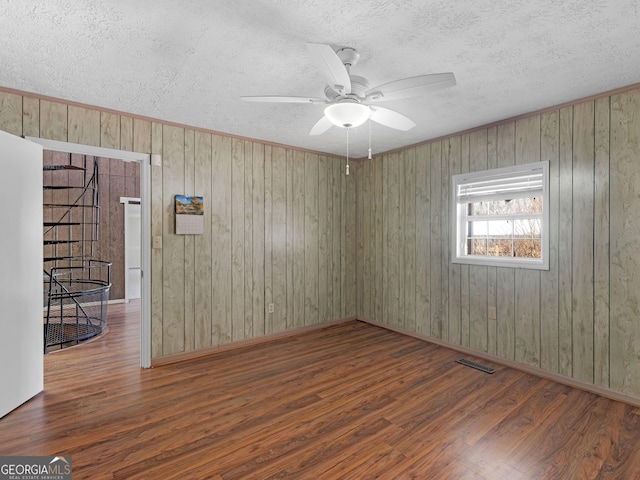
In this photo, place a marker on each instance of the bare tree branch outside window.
(505, 228)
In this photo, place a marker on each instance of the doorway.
(142, 160)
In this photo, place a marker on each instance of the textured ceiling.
(189, 61)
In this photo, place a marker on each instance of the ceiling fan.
(349, 99)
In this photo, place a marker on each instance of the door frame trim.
(145, 224)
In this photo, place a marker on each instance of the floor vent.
(469, 363)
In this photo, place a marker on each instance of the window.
(501, 217)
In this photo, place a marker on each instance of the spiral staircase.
(76, 285)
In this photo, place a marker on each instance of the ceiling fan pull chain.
(347, 151)
(369, 138)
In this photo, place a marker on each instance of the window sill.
(510, 262)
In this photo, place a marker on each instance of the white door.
(134, 263)
(132, 251)
(21, 326)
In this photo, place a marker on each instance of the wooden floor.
(351, 401)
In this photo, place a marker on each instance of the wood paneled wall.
(279, 225)
(281, 228)
(580, 319)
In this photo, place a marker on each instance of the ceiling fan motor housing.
(359, 87)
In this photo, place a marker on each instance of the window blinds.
(504, 184)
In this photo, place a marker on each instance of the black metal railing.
(76, 286)
(76, 302)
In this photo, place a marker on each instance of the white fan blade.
(392, 119)
(281, 99)
(411, 87)
(321, 126)
(330, 66)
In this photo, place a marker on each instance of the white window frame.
(459, 208)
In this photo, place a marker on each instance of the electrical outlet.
(157, 242)
(492, 313)
(271, 308)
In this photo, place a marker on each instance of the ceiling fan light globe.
(347, 114)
